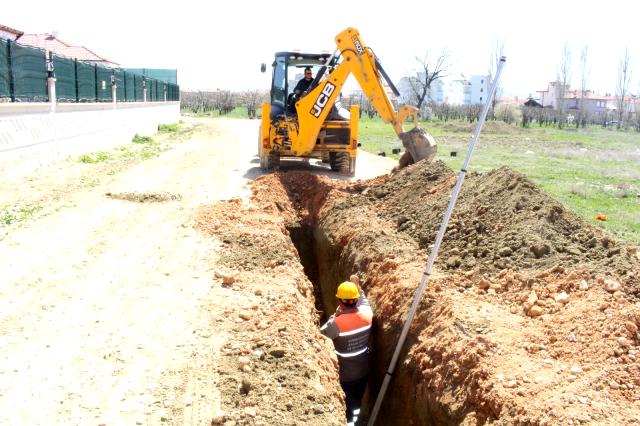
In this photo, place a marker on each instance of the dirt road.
(108, 306)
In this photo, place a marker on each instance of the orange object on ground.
(601, 217)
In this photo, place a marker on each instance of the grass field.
(593, 172)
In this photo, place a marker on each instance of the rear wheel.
(269, 160)
(342, 163)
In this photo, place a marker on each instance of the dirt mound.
(144, 197)
(501, 220)
(531, 314)
(276, 368)
(493, 127)
(541, 328)
(300, 197)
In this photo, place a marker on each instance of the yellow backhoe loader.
(313, 124)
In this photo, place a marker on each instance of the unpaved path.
(107, 306)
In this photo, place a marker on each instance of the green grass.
(10, 215)
(591, 171)
(170, 128)
(238, 112)
(141, 139)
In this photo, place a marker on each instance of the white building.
(457, 91)
(477, 89)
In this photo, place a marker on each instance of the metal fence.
(24, 73)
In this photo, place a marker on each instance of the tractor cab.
(288, 69)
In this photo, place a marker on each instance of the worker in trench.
(349, 329)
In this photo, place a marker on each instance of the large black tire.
(342, 163)
(269, 160)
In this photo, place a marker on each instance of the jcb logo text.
(322, 100)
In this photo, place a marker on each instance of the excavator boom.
(360, 61)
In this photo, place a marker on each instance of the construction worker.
(349, 329)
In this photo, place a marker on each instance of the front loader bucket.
(419, 144)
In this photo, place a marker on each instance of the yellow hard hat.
(347, 290)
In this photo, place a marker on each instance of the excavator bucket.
(419, 146)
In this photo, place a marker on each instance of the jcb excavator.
(314, 125)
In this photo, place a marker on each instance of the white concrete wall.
(31, 135)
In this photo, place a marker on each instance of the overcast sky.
(221, 44)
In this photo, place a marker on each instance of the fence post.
(144, 89)
(164, 89)
(51, 83)
(95, 72)
(10, 64)
(114, 87)
(75, 67)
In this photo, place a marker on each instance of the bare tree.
(429, 71)
(564, 78)
(496, 53)
(585, 70)
(622, 87)
(252, 99)
(225, 101)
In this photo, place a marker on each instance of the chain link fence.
(24, 73)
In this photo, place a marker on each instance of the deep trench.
(325, 266)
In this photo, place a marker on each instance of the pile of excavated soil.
(531, 315)
(276, 368)
(501, 220)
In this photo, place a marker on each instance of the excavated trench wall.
(408, 401)
(328, 259)
(526, 303)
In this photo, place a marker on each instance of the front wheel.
(342, 163)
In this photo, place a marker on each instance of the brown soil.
(277, 369)
(501, 220)
(531, 316)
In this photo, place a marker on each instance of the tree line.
(223, 101)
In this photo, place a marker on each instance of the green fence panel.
(138, 87)
(86, 82)
(5, 91)
(29, 73)
(165, 75)
(151, 96)
(119, 75)
(173, 92)
(157, 89)
(103, 77)
(129, 86)
(65, 71)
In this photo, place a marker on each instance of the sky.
(220, 45)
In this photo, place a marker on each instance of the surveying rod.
(434, 251)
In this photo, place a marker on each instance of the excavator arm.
(360, 61)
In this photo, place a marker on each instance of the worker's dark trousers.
(353, 392)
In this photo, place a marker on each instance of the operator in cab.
(349, 329)
(304, 84)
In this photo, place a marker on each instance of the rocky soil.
(531, 316)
